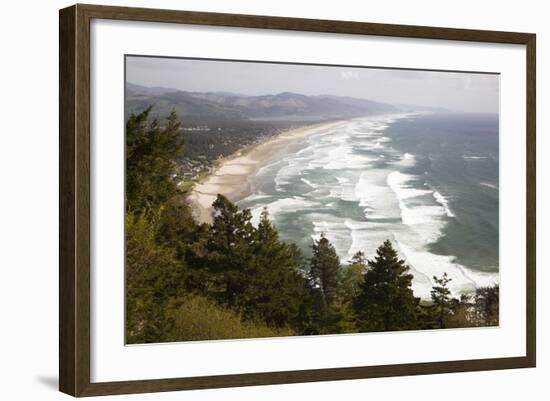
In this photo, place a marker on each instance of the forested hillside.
(217, 107)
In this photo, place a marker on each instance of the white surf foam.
(489, 185)
(334, 230)
(408, 160)
(308, 182)
(285, 174)
(396, 204)
(366, 236)
(285, 205)
(255, 197)
(427, 265)
(423, 218)
(367, 191)
(343, 158)
(443, 202)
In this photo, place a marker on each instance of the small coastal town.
(206, 146)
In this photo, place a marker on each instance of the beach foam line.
(283, 205)
(335, 231)
(407, 160)
(426, 265)
(443, 202)
(231, 176)
(489, 185)
(426, 219)
(309, 183)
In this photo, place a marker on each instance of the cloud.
(453, 90)
(346, 75)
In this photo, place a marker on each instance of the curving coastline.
(231, 176)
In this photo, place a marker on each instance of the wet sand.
(231, 176)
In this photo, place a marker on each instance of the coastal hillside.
(218, 124)
(222, 107)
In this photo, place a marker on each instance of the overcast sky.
(457, 91)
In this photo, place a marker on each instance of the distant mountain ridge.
(148, 90)
(225, 106)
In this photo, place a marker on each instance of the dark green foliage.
(176, 224)
(462, 315)
(279, 284)
(479, 309)
(329, 314)
(153, 277)
(442, 302)
(359, 259)
(254, 271)
(150, 154)
(352, 276)
(486, 300)
(155, 271)
(228, 252)
(386, 301)
(300, 260)
(325, 270)
(341, 315)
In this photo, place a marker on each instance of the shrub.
(199, 318)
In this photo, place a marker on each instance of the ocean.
(427, 182)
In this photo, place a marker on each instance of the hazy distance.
(470, 92)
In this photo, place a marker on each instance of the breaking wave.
(351, 185)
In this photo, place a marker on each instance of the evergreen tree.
(325, 270)
(342, 315)
(278, 287)
(463, 314)
(267, 234)
(177, 227)
(324, 277)
(151, 151)
(486, 305)
(300, 260)
(189, 281)
(228, 252)
(155, 273)
(386, 301)
(254, 271)
(352, 276)
(442, 302)
(359, 259)
(154, 276)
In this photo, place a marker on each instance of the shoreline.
(230, 178)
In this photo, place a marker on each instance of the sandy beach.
(231, 177)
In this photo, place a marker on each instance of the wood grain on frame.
(74, 199)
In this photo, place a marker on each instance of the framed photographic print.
(250, 200)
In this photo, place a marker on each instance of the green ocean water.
(428, 182)
(459, 155)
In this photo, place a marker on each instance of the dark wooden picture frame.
(74, 203)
